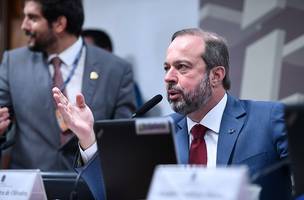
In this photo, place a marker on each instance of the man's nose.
(171, 76)
(25, 24)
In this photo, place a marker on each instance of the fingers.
(66, 114)
(59, 97)
(3, 110)
(4, 119)
(3, 125)
(4, 113)
(56, 95)
(80, 101)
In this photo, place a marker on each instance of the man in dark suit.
(212, 127)
(27, 75)
(101, 39)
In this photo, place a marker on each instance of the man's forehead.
(32, 6)
(185, 41)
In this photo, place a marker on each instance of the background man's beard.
(192, 100)
(37, 47)
(40, 45)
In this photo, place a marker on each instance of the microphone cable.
(74, 193)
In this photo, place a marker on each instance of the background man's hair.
(71, 9)
(100, 38)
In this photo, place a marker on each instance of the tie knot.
(198, 131)
(56, 61)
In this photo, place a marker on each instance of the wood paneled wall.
(11, 14)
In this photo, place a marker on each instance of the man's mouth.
(173, 95)
(30, 34)
(31, 38)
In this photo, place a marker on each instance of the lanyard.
(74, 66)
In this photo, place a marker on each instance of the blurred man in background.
(56, 55)
(101, 39)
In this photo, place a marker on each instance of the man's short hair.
(100, 38)
(71, 9)
(216, 50)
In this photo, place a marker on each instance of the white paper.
(185, 182)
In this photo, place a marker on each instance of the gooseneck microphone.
(147, 106)
(141, 111)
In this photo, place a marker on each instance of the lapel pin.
(230, 131)
(94, 75)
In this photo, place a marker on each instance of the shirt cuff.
(87, 154)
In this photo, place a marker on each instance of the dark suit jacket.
(251, 133)
(25, 86)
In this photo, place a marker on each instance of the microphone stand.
(74, 193)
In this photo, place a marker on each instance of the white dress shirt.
(68, 57)
(212, 121)
(87, 154)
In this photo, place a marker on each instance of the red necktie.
(57, 77)
(58, 82)
(198, 149)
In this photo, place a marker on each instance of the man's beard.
(42, 43)
(192, 100)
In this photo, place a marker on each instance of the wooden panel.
(3, 26)
(16, 36)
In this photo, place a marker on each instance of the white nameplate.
(183, 182)
(153, 125)
(21, 185)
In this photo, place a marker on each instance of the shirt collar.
(213, 118)
(68, 56)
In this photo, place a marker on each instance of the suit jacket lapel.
(181, 140)
(90, 66)
(43, 78)
(232, 122)
(40, 68)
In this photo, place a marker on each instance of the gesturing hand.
(78, 118)
(4, 119)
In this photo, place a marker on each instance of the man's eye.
(32, 18)
(182, 67)
(166, 68)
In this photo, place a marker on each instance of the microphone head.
(148, 105)
(157, 98)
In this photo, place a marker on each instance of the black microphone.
(147, 106)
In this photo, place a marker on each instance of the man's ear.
(60, 24)
(217, 74)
